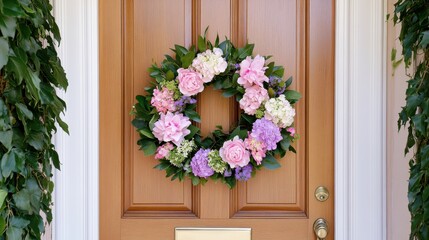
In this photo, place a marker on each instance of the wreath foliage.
(263, 132)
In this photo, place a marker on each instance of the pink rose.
(252, 72)
(190, 82)
(164, 150)
(234, 153)
(291, 130)
(253, 98)
(172, 128)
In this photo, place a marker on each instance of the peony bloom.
(210, 63)
(291, 130)
(190, 82)
(267, 132)
(243, 173)
(279, 111)
(163, 151)
(256, 147)
(200, 164)
(234, 153)
(252, 99)
(252, 72)
(172, 128)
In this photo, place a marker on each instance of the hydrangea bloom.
(179, 154)
(190, 82)
(267, 132)
(163, 100)
(210, 63)
(173, 86)
(252, 99)
(172, 128)
(216, 162)
(252, 72)
(234, 153)
(200, 164)
(257, 148)
(243, 173)
(279, 111)
(163, 151)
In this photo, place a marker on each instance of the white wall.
(398, 217)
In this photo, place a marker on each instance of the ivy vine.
(30, 74)
(413, 15)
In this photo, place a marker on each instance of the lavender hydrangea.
(243, 173)
(267, 132)
(183, 101)
(199, 164)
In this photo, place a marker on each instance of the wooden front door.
(137, 201)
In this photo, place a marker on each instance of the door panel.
(137, 201)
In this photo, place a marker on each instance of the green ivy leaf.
(24, 111)
(14, 233)
(33, 84)
(4, 52)
(2, 225)
(7, 26)
(3, 194)
(22, 200)
(8, 164)
(425, 39)
(6, 138)
(270, 162)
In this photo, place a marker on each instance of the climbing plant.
(30, 75)
(413, 15)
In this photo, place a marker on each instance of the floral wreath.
(264, 130)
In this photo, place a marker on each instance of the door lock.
(320, 228)
(321, 193)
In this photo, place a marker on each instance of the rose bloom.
(253, 98)
(190, 82)
(252, 72)
(234, 153)
(291, 130)
(163, 151)
(172, 128)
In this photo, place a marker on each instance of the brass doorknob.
(320, 228)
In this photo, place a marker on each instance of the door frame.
(360, 152)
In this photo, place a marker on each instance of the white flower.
(210, 63)
(279, 111)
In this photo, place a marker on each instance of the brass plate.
(213, 234)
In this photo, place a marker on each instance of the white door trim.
(360, 192)
(360, 124)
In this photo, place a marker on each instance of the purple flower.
(267, 132)
(244, 173)
(227, 173)
(199, 164)
(274, 83)
(181, 103)
(237, 66)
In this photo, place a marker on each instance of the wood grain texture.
(136, 202)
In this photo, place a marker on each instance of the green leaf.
(285, 144)
(201, 44)
(148, 147)
(193, 115)
(17, 66)
(36, 140)
(425, 39)
(8, 164)
(22, 200)
(14, 233)
(6, 138)
(246, 51)
(195, 181)
(229, 92)
(146, 132)
(19, 222)
(292, 95)
(3, 194)
(194, 130)
(2, 225)
(7, 26)
(33, 84)
(63, 125)
(4, 52)
(23, 110)
(270, 162)
(187, 59)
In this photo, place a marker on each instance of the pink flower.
(234, 153)
(172, 128)
(164, 150)
(190, 82)
(253, 98)
(291, 130)
(252, 72)
(163, 100)
(257, 148)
